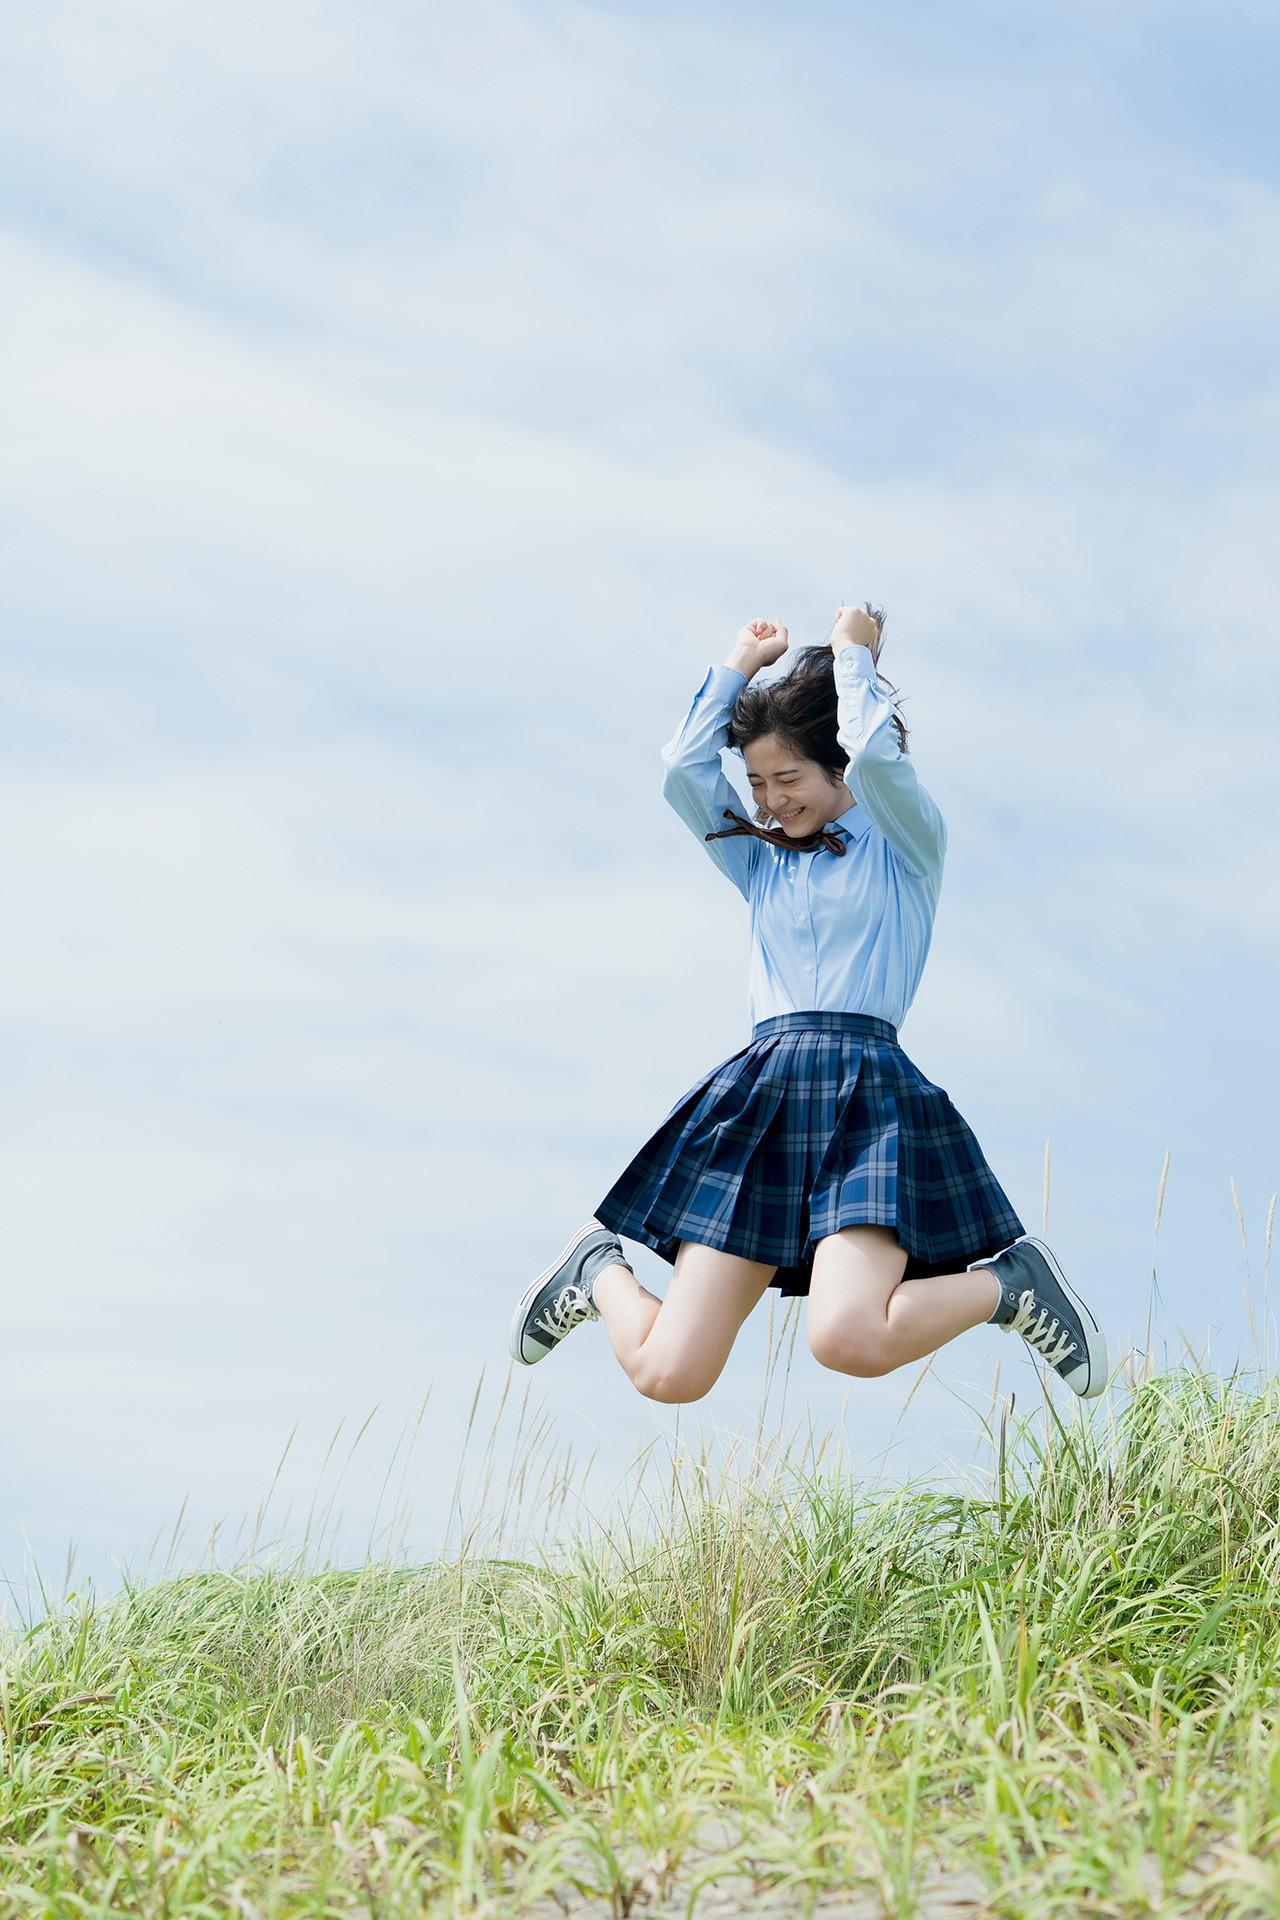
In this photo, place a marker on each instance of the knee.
(859, 1351)
(671, 1385)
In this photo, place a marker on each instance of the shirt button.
(808, 966)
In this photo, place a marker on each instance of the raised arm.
(881, 777)
(693, 779)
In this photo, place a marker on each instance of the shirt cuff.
(735, 672)
(857, 660)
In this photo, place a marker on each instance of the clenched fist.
(766, 640)
(858, 624)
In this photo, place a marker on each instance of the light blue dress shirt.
(848, 932)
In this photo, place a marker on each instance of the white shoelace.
(1044, 1332)
(569, 1306)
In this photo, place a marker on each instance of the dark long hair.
(800, 709)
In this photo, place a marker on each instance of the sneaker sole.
(1095, 1340)
(522, 1304)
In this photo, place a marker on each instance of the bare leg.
(864, 1319)
(627, 1309)
(675, 1349)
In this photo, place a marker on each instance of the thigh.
(709, 1296)
(854, 1272)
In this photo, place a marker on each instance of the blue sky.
(400, 412)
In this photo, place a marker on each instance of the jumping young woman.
(818, 1159)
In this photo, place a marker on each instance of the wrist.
(743, 660)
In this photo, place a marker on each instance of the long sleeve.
(694, 781)
(881, 777)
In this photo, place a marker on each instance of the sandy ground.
(664, 1888)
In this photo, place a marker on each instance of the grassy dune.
(766, 1686)
(1056, 1697)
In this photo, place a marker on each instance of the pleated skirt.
(820, 1122)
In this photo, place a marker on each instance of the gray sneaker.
(560, 1298)
(1037, 1302)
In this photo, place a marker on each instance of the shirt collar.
(853, 822)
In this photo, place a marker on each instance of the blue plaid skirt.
(819, 1122)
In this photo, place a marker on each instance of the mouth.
(787, 817)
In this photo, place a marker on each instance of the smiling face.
(799, 793)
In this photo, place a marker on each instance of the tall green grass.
(1055, 1693)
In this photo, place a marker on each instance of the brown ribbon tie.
(825, 837)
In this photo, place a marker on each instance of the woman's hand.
(856, 624)
(758, 644)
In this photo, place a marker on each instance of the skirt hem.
(789, 1275)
